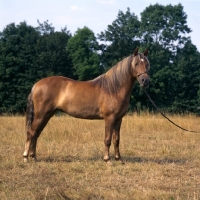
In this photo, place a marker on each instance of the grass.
(163, 162)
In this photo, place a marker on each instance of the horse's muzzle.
(144, 80)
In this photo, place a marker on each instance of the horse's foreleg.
(108, 137)
(116, 138)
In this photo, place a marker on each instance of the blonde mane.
(114, 78)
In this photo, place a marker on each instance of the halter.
(145, 72)
(139, 74)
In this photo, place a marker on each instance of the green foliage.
(52, 57)
(82, 49)
(120, 39)
(164, 32)
(186, 78)
(17, 56)
(164, 25)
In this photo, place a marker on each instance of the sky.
(94, 14)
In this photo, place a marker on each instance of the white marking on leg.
(25, 153)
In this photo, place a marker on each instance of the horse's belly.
(83, 111)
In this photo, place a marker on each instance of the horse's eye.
(136, 64)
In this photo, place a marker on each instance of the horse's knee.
(107, 142)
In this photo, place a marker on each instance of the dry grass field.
(162, 161)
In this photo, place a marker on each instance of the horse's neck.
(126, 79)
(118, 80)
(127, 87)
(123, 85)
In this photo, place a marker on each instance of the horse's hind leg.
(33, 133)
(30, 141)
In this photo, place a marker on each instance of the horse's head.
(140, 67)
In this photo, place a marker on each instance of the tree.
(165, 26)
(120, 39)
(52, 57)
(83, 51)
(17, 56)
(164, 31)
(45, 27)
(186, 76)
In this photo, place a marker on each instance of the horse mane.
(115, 77)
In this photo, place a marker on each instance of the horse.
(105, 97)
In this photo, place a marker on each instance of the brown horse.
(105, 97)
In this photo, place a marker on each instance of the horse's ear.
(146, 52)
(136, 51)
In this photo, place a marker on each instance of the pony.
(105, 97)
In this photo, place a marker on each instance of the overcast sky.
(95, 14)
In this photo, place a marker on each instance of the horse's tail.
(29, 111)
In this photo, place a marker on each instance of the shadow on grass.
(52, 159)
(68, 159)
(127, 159)
(160, 161)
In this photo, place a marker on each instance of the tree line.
(28, 54)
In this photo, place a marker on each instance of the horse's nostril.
(144, 81)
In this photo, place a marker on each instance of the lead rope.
(165, 115)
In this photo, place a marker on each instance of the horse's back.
(77, 98)
(50, 86)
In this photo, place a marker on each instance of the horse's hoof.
(25, 159)
(108, 161)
